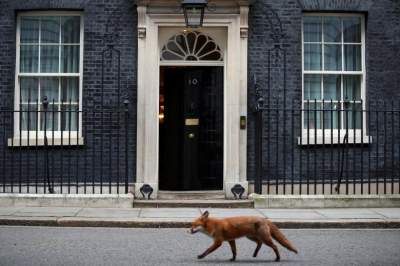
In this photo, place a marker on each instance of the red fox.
(257, 229)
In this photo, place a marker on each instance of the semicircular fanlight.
(191, 46)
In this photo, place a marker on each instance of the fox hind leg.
(259, 244)
(232, 243)
(265, 236)
(274, 247)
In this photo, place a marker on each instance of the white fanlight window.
(191, 46)
(49, 63)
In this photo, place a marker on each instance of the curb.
(285, 224)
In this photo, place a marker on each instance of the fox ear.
(205, 214)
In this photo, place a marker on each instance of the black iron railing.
(60, 149)
(327, 147)
(308, 147)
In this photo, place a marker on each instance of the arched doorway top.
(191, 46)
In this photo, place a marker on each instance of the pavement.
(181, 217)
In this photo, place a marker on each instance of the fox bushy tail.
(278, 236)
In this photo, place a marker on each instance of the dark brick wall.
(382, 63)
(382, 83)
(85, 161)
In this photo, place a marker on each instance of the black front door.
(191, 128)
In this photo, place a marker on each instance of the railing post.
(45, 104)
(126, 116)
(258, 139)
(258, 150)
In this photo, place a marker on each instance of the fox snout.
(194, 229)
(198, 224)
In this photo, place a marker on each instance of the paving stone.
(292, 214)
(391, 213)
(349, 214)
(169, 213)
(8, 211)
(109, 213)
(47, 211)
(220, 213)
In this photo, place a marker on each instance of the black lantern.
(194, 12)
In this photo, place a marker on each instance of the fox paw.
(200, 256)
(232, 259)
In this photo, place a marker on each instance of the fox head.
(199, 223)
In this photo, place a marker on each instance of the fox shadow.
(240, 261)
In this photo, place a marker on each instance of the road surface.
(119, 246)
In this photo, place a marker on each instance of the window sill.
(23, 142)
(334, 140)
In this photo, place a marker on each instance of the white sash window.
(333, 74)
(49, 63)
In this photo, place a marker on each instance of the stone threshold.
(193, 203)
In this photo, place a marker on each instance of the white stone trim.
(235, 93)
(33, 142)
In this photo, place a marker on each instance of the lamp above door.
(194, 12)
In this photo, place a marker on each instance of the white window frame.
(57, 137)
(334, 136)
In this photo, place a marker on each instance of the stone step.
(193, 203)
(192, 195)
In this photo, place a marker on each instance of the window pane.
(29, 30)
(312, 57)
(173, 47)
(70, 90)
(29, 58)
(29, 89)
(50, 30)
(352, 116)
(352, 29)
(352, 57)
(49, 88)
(181, 42)
(331, 116)
(352, 88)
(332, 29)
(312, 87)
(49, 119)
(70, 58)
(332, 87)
(70, 27)
(69, 117)
(312, 116)
(49, 58)
(312, 29)
(211, 56)
(29, 116)
(333, 57)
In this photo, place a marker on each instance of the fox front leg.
(213, 247)
(232, 243)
